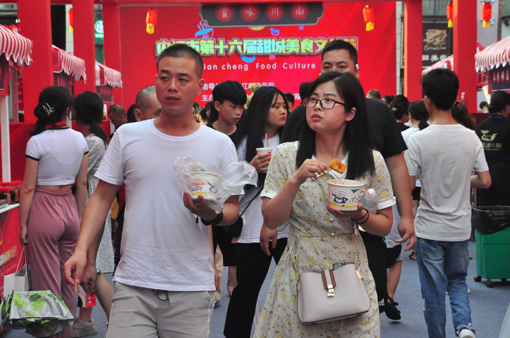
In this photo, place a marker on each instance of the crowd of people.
(94, 205)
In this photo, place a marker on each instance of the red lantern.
(368, 17)
(486, 14)
(70, 16)
(151, 20)
(449, 14)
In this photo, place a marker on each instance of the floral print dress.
(317, 240)
(105, 255)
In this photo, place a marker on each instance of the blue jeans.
(443, 267)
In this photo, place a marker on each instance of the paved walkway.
(488, 305)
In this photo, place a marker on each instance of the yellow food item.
(337, 166)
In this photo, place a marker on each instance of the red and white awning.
(445, 63)
(69, 64)
(495, 56)
(15, 47)
(106, 76)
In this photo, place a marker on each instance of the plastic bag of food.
(195, 178)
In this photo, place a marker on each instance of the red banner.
(280, 55)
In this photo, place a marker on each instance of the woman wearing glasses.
(319, 236)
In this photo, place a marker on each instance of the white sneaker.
(83, 329)
(466, 333)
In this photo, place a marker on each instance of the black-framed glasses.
(324, 103)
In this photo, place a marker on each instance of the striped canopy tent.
(495, 56)
(447, 63)
(15, 47)
(64, 62)
(106, 76)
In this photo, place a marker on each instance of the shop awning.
(15, 47)
(69, 64)
(107, 77)
(494, 56)
(445, 63)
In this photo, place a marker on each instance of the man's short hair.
(341, 44)
(143, 97)
(231, 91)
(374, 94)
(441, 86)
(116, 110)
(183, 51)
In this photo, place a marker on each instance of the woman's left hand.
(23, 235)
(355, 214)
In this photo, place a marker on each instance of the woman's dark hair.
(89, 111)
(52, 107)
(499, 101)
(419, 113)
(462, 116)
(131, 113)
(252, 126)
(255, 118)
(357, 138)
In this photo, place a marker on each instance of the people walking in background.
(229, 98)
(117, 115)
(261, 128)
(494, 132)
(147, 104)
(88, 109)
(445, 154)
(374, 94)
(56, 160)
(462, 116)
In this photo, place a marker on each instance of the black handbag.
(234, 230)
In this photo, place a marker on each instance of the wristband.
(367, 215)
(218, 219)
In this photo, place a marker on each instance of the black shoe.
(391, 310)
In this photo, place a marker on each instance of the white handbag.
(332, 294)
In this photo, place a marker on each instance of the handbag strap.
(253, 199)
(29, 276)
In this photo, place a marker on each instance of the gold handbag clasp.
(330, 284)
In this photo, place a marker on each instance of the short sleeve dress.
(317, 240)
(105, 256)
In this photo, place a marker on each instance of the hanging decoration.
(368, 17)
(70, 17)
(486, 14)
(151, 20)
(449, 14)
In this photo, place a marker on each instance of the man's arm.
(84, 256)
(481, 180)
(402, 189)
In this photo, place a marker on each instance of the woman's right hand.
(23, 235)
(261, 162)
(309, 169)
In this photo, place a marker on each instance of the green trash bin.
(493, 256)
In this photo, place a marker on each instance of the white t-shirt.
(162, 246)
(60, 153)
(445, 156)
(405, 135)
(252, 217)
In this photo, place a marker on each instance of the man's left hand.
(406, 230)
(199, 207)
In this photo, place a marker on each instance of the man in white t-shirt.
(445, 154)
(166, 270)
